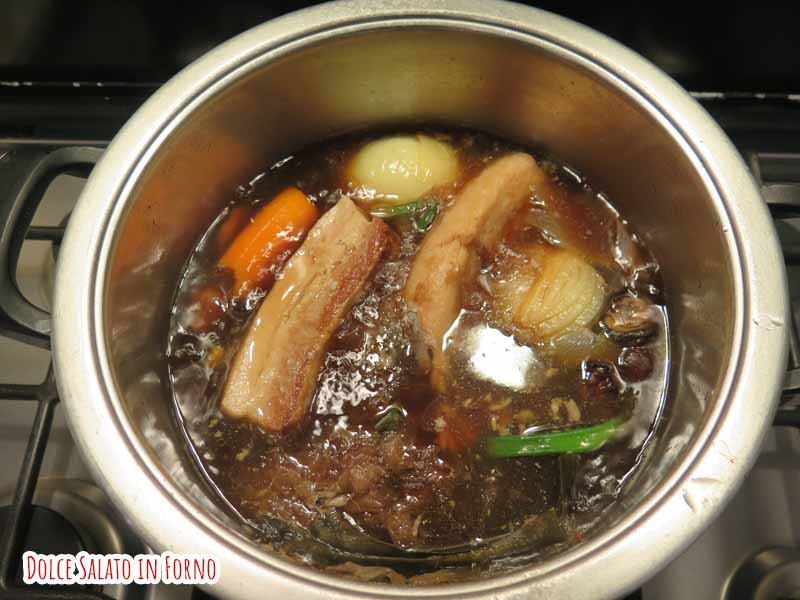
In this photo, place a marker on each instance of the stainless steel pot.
(519, 72)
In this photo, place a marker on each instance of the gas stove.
(50, 504)
(48, 501)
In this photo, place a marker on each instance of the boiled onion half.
(402, 168)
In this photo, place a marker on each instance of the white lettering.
(107, 569)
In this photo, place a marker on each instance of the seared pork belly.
(272, 378)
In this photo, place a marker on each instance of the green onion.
(584, 439)
(396, 211)
(422, 212)
(426, 216)
(390, 421)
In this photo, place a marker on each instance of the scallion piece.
(422, 212)
(398, 210)
(390, 419)
(583, 439)
(425, 216)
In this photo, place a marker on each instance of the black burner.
(48, 533)
(770, 574)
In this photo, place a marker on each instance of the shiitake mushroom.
(629, 320)
(635, 364)
(600, 380)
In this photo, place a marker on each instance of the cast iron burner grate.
(24, 151)
(23, 519)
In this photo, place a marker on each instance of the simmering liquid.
(386, 468)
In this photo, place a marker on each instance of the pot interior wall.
(388, 77)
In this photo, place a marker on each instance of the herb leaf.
(425, 216)
(390, 419)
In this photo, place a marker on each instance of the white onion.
(402, 168)
(568, 294)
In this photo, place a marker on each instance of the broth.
(386, 468)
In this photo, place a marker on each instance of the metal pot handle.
(25, 175)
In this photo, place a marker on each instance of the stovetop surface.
(741, 45)
(764, 514)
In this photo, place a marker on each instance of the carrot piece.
(234, 222)
(277, 229)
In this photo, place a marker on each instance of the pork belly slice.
(449, 254)
(273, 376)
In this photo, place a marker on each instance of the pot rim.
(646, 538)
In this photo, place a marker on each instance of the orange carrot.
(276, 230)
(234, 222)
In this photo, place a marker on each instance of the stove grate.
(770, 169)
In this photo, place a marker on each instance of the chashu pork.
(274, 373)
(449, 254)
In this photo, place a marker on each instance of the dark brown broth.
(401, 487)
